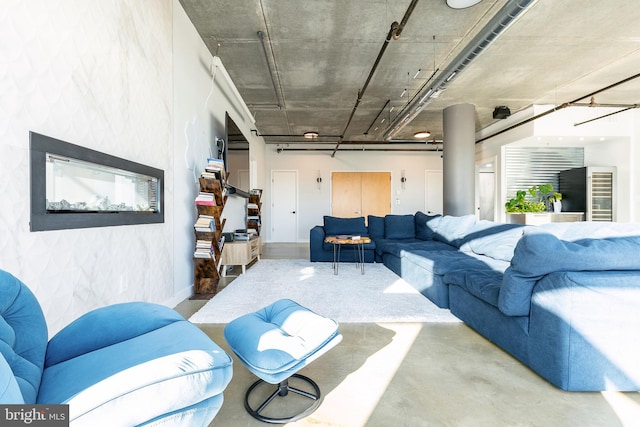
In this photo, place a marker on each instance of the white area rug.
(377, 296)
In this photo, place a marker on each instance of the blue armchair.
(126, 364)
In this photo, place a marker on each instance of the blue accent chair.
(127, 364)
(276, 342)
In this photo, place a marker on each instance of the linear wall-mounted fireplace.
(75, 187)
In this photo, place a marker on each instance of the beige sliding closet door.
(355, 194)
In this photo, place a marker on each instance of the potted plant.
(541, 199)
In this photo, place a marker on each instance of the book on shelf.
(212, 175)
(252, 206)
(204, 249)
(214, 165)
(205, 223)
(204, 254)
(203, 243)
(205, 199)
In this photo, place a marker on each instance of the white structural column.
(458, 159)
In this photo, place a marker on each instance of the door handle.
(293, 212)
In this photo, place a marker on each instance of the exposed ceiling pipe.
(273, 80)
(562, 106)
(394, 32)
(366, 132)
(431, 148)
(412, 142)
(505, 16)
(607, 115)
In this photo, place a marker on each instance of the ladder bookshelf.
(207, 257)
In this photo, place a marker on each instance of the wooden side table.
(356, 242)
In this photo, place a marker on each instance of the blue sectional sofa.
(562, 298)
(126, 364)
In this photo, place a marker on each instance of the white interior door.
(486, 195)
(284, 206)
(433, 197)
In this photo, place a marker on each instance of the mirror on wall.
(237, 156)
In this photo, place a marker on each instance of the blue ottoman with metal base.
(276, 342)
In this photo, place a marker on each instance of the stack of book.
(205, 199)
(204, 249)
(205, 223)
(214, 169)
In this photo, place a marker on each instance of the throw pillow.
(451, 229)
(334, 226)
(426, 225)
(399, 227)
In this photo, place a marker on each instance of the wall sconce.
(319, 179)
(403, 178)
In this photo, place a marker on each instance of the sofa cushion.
(539, 253)
(441, 262)
(484, 284)
(451, 229)
(426, 225)
(398, 247)
(572, 231)
(156, 368)
(375, 225)
(399, 227)
(334, 226)
(493, 239)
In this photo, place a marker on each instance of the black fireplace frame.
(42, 220)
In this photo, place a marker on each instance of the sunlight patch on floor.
(307, 273)
(400, 287)
(627, 409)
(353, 401)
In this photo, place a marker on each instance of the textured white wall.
(97, 74)
(129, 78)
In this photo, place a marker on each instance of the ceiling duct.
(505, 16)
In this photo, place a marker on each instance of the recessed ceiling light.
(462, 4)
(422, 134)
(311, 135)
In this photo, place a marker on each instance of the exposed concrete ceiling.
(320, 53)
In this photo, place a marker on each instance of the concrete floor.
(424, 374)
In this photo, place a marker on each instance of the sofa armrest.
(107, 326)
(316, 238)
